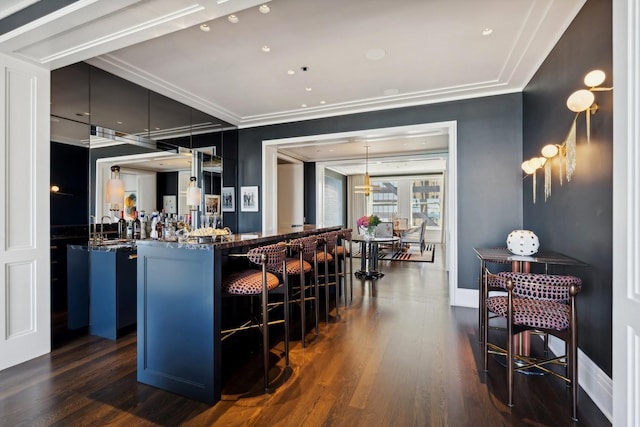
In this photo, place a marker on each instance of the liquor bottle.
(136, 226)
(122, 226)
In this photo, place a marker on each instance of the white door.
(290, 197)
(626, 213)
(25, 314)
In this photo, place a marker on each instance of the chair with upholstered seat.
(416, 235)
(542, 303)
(261, 283)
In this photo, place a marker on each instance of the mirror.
(150, 136)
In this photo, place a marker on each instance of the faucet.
(92, 236)
(102, 224)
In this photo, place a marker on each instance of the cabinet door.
(126, 288)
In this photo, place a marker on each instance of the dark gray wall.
(577, 218)
(489, 135)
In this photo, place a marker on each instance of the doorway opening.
(402, 147)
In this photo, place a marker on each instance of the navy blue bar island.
(179, 311)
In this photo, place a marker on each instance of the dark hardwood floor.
(397, 356)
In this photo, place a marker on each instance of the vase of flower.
(367, 226)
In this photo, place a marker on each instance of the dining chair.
(543, 303)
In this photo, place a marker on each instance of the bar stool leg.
(303, 303)
(265, 328)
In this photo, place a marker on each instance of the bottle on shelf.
(143, 225)
(136, 226)
(122, 226)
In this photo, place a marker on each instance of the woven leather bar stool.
(341, 253)
(254, 283)
(328, 241)
(306, 248)
(544, 303)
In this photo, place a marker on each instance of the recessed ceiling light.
(146, 130)
(308, 89)
(375, 54)
(291, 72)
(323, 102)
(221, 1)
(233, 19)
(205, 27)
(119, 122)
(487, 31)
(266, 49)
(264, 9)
(304, 105)
(157, 128)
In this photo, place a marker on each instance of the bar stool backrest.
(331, 239)
(309, 245)
(275, 255)
(542, 287)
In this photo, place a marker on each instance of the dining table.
(369, 249)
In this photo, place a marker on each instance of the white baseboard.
(597, 385)
(591, 378)
(465, 298)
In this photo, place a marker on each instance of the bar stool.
(329, 241)
(544, 303)
(253, 283)
(342, 253)
(306, 248)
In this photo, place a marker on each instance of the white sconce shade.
(114, 190)
(536, 163)
(580, 100)
(526, 167)
(194, 194)
(550, 150)
(594, 78)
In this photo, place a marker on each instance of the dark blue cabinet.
(77, 286)
(112, 291)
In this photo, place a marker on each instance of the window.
(417, 198)
(385, 200)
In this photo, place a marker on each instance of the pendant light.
(114, 190)
(367, 188)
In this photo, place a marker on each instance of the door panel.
(25, 323)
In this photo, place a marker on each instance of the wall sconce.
(114, 190)
(530, 167)
(194, 194)
(584, 99)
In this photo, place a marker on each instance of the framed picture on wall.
(249, 199)
(228, 199)
(169, 204)
(130, 204)
(212, 203)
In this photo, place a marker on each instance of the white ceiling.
(434, 51)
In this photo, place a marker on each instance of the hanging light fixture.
(114, 190)
(194, 194)
(367, 188)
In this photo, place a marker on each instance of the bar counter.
(179, 311)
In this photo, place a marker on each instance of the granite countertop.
(236, 240)
(109, 247)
